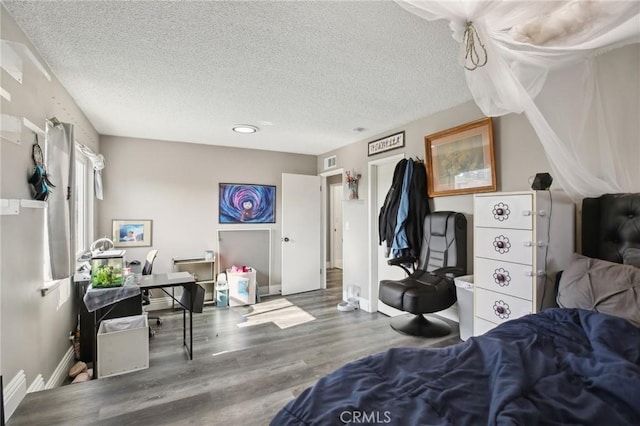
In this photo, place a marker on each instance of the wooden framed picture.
(131, 233)
(246, 203)
(461, 160)
(394, 141)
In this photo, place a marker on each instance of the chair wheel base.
(418, 325)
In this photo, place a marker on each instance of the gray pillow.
(601, 286)
(631, 256)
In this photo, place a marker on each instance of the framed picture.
(394, 141)
(131, 233)
(461, 160)
(246, 203)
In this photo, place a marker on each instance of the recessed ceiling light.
(244, 128)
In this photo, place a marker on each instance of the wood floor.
(239, 376)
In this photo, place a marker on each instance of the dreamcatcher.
(39, 179)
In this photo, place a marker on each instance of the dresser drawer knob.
(526, 213)
(501, 211)
(501, 244)
(501, 277)
(501, 309)
(528, 243)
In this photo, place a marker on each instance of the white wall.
(34, 330)
(519, 155)
(176, 186)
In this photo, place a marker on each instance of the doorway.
(381, 176)
(333, 194)
(335, 222)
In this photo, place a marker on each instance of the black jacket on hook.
(418, 209)
(389, 210)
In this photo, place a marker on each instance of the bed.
(578, 363)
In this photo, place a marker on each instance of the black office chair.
(146, 300)
(430, 287)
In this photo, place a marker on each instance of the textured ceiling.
(306, 73)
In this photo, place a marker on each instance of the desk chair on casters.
(146, 270)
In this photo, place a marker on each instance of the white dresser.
(521, 239)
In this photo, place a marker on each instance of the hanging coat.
(389, 210)
(400, 241)
(418, 209)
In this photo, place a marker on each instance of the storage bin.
(123, 345)
(464, 292)
(242, 287)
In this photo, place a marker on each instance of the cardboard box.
(123, 345)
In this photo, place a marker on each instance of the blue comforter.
(561, 366)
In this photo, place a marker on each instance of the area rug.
(281, 312)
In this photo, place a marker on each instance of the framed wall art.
(461, 160)
(246, 203)
(394, 141)
(131, 233)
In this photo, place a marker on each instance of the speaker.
(541, 182)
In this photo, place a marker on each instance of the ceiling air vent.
(330, 162)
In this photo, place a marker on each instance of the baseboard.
(14, 393)
(364, 304)
(62, 370)
(37, 384)
(275, 290)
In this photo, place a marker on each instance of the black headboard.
(610, 225)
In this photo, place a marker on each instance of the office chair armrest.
(402, 261)
(449, 272)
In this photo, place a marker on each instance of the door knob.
(286, 239)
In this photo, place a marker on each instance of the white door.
(337, 192)
(384, 177)
(301, 233)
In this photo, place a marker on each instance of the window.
(81, 204)
(83, 209)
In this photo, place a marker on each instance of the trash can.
(222, 293)
(464, 292)
(123, 345)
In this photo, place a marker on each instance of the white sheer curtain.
(545, 59)
(98, 163)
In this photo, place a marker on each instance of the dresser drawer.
(504, 211)
(498, 308)
(513, 279)
(510, 245)
(481, 326)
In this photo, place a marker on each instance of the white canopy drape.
(544, 59)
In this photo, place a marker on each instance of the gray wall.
(514, 141)
(176, 186)
(33, 329)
